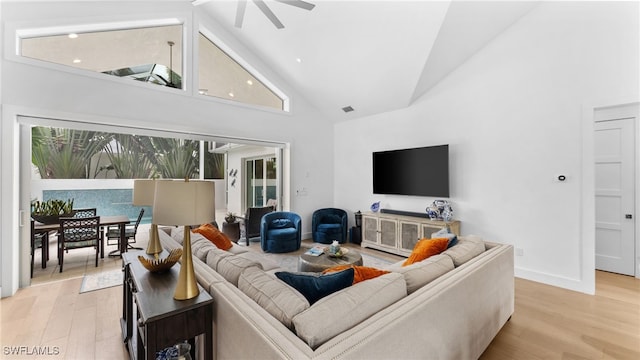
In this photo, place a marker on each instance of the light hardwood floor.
(548, 323)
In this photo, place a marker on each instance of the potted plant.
(49, 212)
(230, 218)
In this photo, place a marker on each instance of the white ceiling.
(375, 56)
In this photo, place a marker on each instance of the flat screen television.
(420, 171)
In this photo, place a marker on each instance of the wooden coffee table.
(322, 262)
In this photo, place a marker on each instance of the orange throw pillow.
(426, 248)
(220, 240)
(360, 273)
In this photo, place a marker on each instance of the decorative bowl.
(342, 252)
(158, 265)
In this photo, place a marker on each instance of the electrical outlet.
(519, 252)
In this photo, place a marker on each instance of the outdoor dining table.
(120, 220)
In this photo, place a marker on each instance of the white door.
(615, 178)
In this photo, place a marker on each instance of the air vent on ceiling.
(347, 109)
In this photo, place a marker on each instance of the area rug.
(101, 280)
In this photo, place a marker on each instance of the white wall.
(513, 116)
(53, 93)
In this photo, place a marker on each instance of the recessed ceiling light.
(249, 82)
(231, 94)
(73, 36)
(77, 61)
(299, 60)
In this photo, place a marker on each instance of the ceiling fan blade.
(298, 3)
(199, 2)
(242, 6)
(268, 13)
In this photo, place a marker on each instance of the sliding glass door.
(261, 181)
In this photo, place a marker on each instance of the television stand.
(398, 231)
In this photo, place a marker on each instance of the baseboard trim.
(564, 282)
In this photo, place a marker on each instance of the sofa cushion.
(330, 228)
(315, 286)
(200, 246)
(342, 310)
(425, 248)
(237, 249)
(282, 233)
(214, 235)
(467, 248)
(265, 263)
(231, 267)
(281, 223)
(423, 272)
(331, 219)
(361, 273)
(214, 256)
(177, 233)
(279, 299)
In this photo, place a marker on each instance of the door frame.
(621, 110)
(628, 114)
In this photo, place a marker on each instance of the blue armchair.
(281, 231)
(329, 224)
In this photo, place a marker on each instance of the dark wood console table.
(152, 320)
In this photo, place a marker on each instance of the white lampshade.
(143, 192)
(184, 202)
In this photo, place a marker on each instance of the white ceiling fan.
(242, 6)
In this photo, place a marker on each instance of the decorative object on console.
(440, 210)
(158, 265)
(143, 194)
(375, 206)
(184, 203)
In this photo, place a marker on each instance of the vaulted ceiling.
(375, 56)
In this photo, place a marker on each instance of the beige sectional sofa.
(449, 306)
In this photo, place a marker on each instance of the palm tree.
(129, 158)
(65, 153)
(176, 158)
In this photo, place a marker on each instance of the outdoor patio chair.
(39, 240)
(130, 231)
(77, 233)
(86, 212)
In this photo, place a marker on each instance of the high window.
(149, 54)
(221, 76)
(153, 52)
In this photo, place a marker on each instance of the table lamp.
(184, 203)
(143, 194)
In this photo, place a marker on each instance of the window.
(149, 54)
(222, 77)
